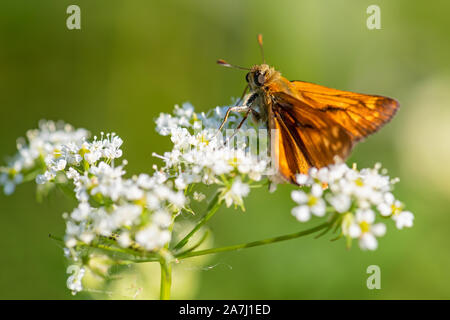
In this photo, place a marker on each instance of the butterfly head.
(259, 75)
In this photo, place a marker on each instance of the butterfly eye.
(259, 78)
(247, 77)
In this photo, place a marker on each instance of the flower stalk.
(213, 206)
(253, 243)
(166, 276)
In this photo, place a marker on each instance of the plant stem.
(252, 244)
(213, 206)
(166, 279)
(137, 256)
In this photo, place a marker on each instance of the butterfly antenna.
(229, 65)
(260, 42)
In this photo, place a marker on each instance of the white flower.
(389, 205)
(309, 203)
(180, 183)
(403, 219)
(303, 179)
(126, 215)
(341, 202)
(81, 212)
(131, 190)
(69, 152)
(124, 239)
(198, 196)
(367, 241)
(366, 230)
(9, 180)
(302, 213)
(235, 194)
(43, 178)
(111, 146)
(162, 218)
(57, 164)
(299, 196)
(72, 174)
(152, 237)
(201, 157)
(109, 180)
(354, 194)
(43, 143)
(92, 151)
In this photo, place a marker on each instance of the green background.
(134, 59)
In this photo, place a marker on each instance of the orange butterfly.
(314, 124)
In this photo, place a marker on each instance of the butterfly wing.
(314, 124)
(305, 137)
(360, 114)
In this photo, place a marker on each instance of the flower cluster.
(136, 215)
(355, 198)
(200, 155)
(136, 212)
(48, 139)
(139, 209)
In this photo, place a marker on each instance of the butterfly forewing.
(316, 124)
(359, 114)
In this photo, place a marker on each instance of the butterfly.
(314, 125)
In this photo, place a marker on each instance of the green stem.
(195, 246)
(166, 279)
(252, 244)
(213, 206)
(136, 255)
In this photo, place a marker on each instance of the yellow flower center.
(203, 139)
(312, 201)
(57, 153)
(395, 210)
(233, 162)
(12, 173)
(365, 227)
(83, 151)
(141, 202)
(359, 182)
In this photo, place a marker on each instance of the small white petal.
(316, 190)
(378, 229)
(301, 213)
(385, 209)
(368, 242)
(354, 231)
(403, 219)
(319, 209)
(365, 215)
(341, 202)
(299, 196)
(302, 179)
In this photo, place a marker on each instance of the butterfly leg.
(240, 125)
(245, 107)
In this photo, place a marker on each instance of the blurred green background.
(134, 59)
